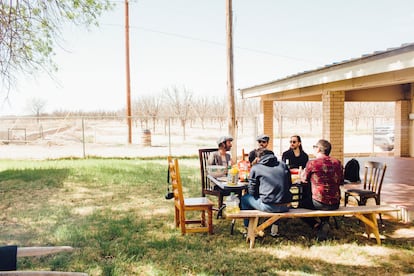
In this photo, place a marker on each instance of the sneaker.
(244, 232)
(274, 231)
(323, 230)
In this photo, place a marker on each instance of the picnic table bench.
(366, 214)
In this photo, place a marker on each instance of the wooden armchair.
(373, 178)
(207, 188)
(183, 205)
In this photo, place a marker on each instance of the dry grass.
(114, 212)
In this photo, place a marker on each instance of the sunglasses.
(293, 142)
(262, 142)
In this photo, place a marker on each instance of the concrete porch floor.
(398, 185)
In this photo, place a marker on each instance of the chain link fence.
(80, 137)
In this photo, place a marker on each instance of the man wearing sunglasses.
(295, 154)
(323, 176)
(263, 142)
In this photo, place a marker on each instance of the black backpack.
(352, 171)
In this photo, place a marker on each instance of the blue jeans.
(249, 202)
(309, 203)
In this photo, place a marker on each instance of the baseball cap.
(263, 137)
(223, 139)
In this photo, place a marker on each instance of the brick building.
(384, 76)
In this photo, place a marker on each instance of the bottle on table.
(228, 172)
(244, 169)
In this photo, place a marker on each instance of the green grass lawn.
(114, 213)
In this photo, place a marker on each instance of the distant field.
(28, 138)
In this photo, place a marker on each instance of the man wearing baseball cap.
(221, 157)
(263, 141)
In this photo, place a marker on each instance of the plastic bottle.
(228, 172)
(232, 204)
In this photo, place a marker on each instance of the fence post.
(83, 136)
(169, 136)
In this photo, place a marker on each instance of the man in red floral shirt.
(325, 175)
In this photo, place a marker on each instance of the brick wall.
(401, 139)
(333, 121)
(267, 110)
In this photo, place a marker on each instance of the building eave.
(381, 62)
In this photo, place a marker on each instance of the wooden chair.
(245, 155)
(373, 178)
(207, 188)
(183, 205)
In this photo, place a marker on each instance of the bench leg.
(255, 229)
(371, 225)
(260, 229)
(251, 231)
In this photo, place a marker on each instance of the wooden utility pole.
(128, 75)
(230, 79)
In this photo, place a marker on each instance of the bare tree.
(148, 106)
(279, 112)
(180, 103)
(202, 108)
(309, 110)
(219, 107)
(30, 29)
(355, 111)
(36, 106)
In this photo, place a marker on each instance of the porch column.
(333, 121)
(411, 124)
(401, 137)
(266, 108)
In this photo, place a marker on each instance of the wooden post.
(128, 77)
(230, 80)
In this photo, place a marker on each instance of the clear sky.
(183, 43)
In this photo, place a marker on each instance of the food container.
(216, 170)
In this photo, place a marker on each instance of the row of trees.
(184, 105)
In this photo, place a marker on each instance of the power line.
(258, 51)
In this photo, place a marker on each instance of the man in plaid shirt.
(322, 178)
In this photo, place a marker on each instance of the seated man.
(221, 157)
(263, 142)
(295, 156)
(269, 186)
(324, 175)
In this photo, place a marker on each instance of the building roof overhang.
(362, 79)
